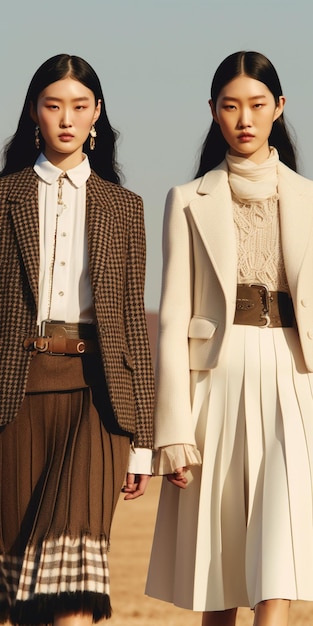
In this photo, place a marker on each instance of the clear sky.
(155, 60)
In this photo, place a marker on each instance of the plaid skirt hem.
(43, 608)
(61, 575)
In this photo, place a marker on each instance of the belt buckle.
(56, 330)
(81, 347)
(46, 332)
(266, 302)
(41, 345)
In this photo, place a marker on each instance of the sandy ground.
(130, 548)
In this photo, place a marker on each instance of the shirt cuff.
(140, 461)
(169, 458)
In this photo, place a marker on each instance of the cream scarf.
(251, 181)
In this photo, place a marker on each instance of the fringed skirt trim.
(61, 474)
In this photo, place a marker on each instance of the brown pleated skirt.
(62, 463)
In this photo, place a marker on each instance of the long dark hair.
(257, 66)
(21, 151)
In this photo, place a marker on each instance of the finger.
(143, 480)
(178, 483)
(131, 483)
(178, 479)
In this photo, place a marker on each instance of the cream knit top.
(256, 218)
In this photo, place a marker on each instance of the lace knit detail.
(257, 223)
(260, 257)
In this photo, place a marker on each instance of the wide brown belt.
(256, 305)
(60, 338)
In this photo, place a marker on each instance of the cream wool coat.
(199, 286)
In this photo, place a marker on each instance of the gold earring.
(92, 140)
(37, 137)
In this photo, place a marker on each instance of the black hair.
(257, 66)
(20, 151)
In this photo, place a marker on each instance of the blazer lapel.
(213, 216)
(23, 205)
(100, 221)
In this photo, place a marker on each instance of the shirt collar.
(50, 173)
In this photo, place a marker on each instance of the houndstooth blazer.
(116, 243)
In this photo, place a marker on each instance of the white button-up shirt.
(64, 283)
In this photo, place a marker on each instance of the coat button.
(310, 334)
(304, 302)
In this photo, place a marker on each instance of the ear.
(33, 113)
(213, 111)
(97, 111)
(279, 108)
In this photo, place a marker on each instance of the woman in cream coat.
(235, 390)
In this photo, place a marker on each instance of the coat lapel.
(296, 221)
(100, 220)
(213, 216)
(23, 205)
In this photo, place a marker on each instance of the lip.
(245, 137)
(66, 137)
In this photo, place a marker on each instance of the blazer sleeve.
(173, 418)
(136, 329)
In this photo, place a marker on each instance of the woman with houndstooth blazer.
(76, 374)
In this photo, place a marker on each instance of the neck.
(64, 161)
(257, 157)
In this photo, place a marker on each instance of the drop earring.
(92, 140)
(37, 137)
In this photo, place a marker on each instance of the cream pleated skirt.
(242, 531)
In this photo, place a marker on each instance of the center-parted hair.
(21, 151)
(257, 66)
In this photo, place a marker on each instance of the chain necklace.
(61, 207)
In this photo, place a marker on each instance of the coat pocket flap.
(201, 328)
(128, 361)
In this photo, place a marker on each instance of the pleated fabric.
(62, 470)
(242, 531)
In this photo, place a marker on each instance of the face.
(245, 111)
(65, 112)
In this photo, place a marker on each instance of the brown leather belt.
(60, 338)
(256, 305)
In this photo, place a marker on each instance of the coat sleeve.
(136, 329)
(173, 417)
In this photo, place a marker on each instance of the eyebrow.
(237, 99)
(55, 99)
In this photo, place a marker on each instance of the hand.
(178, 477)
(136, 485)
